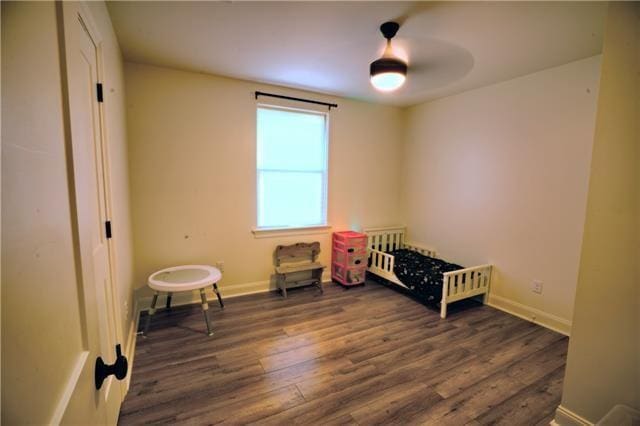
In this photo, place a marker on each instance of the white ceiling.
(327, 46)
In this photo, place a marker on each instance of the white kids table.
(184, 278)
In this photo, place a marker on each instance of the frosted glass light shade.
(388, 81)
(387, 73)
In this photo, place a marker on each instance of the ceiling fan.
(389, 72)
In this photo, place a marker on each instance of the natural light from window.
(292, 168)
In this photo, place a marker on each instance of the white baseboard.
(189, 297)
(565, 417)
(228, 292)
(534, 315)
(130, 348)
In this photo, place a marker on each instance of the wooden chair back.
(297, 253)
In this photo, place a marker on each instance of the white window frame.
(266, 232)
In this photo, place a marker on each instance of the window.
(292, 168)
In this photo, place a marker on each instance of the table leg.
(152, 311)
(169, 300)
(215, 289)
(205, 308)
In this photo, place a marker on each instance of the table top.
(184, 278)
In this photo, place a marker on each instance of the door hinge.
(107, 227)
(99, 92)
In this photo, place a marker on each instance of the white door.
(88, 405)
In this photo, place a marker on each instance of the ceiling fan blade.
(416, 8)
(420, 67)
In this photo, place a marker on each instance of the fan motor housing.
(383, 65)
(389, 29)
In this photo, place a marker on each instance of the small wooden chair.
(296, 258)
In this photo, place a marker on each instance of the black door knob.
(118, 368)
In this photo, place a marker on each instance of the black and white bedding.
(421, 274)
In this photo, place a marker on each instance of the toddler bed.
(420, 271)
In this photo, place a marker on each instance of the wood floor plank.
(531, 405)
(335, 381)
(471, 403)
(487, 365)
(344, 401)
(396, 408)
(367, 355)
(540, 363)
(244, 411)
(371, 338)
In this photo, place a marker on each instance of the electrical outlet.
(536, 286)
(220, 265)
(126, 309)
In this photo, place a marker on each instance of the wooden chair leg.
(318, 276)
(281, 284)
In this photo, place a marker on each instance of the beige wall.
(604, 354)
(192, 154)
(499, 174)
(37, 247)
(40, 325)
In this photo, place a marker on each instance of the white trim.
(566, 417)
(324, 171)
(290, 232)
(92, 28)
(69, 388)
(310, 110)
(384, 228)
(130, 348)
(190, 297)
(528, 313)
(228, 292)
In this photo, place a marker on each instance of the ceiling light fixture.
(389, 72)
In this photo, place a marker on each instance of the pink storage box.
(349, 257)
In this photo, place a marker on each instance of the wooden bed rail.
(381, 260)
(427, 251)
(381, 264)
(382, 229)
(385, 239)
(457, 285)
(464, 283)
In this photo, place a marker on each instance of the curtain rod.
(309, 101)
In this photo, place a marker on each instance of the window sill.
(290, 232)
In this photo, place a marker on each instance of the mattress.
(421, 274)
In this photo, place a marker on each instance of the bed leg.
(485, 298)
(445, 294)
(443, 310)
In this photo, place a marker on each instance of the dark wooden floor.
(366, 355)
